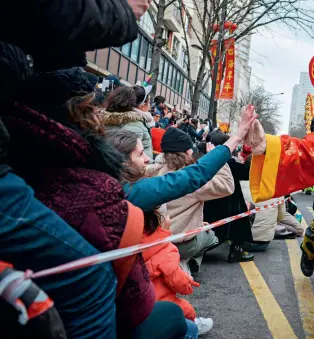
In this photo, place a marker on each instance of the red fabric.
(163, 263)
(157, 134)
(4, 265)
(246, 151)
(295, 170)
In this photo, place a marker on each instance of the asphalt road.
(269, 298)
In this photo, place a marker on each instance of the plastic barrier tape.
(125, 252)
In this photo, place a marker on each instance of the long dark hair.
(125, 142)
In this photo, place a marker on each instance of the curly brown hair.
(178, 160)
(83, 112)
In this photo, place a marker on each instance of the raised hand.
(256, 136)
(139, 7)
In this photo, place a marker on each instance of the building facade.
(299, 94)
(132, 61)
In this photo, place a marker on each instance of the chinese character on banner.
(228, 86)
(219, 75)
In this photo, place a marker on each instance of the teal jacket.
(150, 193)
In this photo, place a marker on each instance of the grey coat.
(133, 121)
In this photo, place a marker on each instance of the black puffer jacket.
(77, 25)
(58, 32)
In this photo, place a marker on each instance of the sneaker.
(204, 325)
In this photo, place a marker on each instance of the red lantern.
(311, 70)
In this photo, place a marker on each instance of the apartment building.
(132, 62)
(299, 94)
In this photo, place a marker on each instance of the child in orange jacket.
(163, 263)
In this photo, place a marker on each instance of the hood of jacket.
(120, 118)
(160, 233)
(147, 116)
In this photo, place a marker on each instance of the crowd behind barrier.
(111, 189)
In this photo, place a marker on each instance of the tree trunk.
(158, 43)
(195, 102)
(198, 88)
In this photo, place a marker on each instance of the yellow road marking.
(277, 322)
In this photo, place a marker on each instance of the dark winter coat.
(58, 163)
(194, 135)
(214, 210)
(58, 32)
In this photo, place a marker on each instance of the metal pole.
(213, 102)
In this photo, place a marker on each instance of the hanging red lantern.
(311, 70)
(230, 26)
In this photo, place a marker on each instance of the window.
(143, 53)
(147, 24)
(174, 78)
(161, 68)
(181, 85)
(185, 62)
(176, 13)
(176, 48)
(126, 49)
(149, 58)
(170, 75)
(166, 66)
(177, 88)
(135, 49)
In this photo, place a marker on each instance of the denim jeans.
(192, 332)
(34, 237)
(165, 322)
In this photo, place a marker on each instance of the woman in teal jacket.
(150, 193)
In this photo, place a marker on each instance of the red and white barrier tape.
(125, 252)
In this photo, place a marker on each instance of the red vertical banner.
(219, 75)
(228, 86)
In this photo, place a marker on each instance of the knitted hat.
(175, 140)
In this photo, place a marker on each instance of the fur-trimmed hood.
(118, 118)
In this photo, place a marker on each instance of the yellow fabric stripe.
(264, 169)
(303, 289)
(277, 323)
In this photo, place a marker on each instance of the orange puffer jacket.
(163, 263)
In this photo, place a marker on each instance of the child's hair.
(152, 220)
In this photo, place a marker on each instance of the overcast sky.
(277, 58)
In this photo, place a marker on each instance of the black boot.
(307, 247)
(237, 254)
(307, 266)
